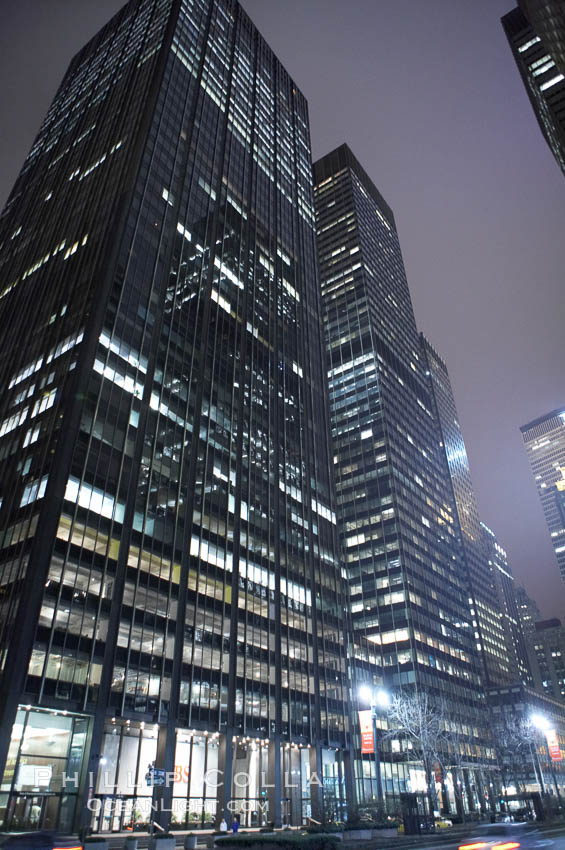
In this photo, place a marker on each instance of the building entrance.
(33, 811)
(40, 785)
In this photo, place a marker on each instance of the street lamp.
(542, 723)
(379, 700)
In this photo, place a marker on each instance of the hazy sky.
(427, 95)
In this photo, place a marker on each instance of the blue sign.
(155, 777)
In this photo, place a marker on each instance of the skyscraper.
(493, 644)
(548, 645)
(396, 516)
(548, 19)
(544, 439)
(507, 605)
(528, 611)
(170, 593)
(536, 34)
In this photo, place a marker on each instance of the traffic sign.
(155, 777)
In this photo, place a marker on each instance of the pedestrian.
(223, 825)
(235, 826)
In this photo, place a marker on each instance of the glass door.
(33, 811)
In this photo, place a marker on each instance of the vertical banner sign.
(366, 724)
(553, 745)
(438, 775)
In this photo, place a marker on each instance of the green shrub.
(283, 840)
(327, 828)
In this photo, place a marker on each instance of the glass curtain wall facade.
(168, 570)
(493, 645)
(530, 768)
(528, 611)
(536, 34)
(407, 580)
(544, 440)
(548, 647)
(507, 603)
(548, 19)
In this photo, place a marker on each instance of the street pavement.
(554, 834)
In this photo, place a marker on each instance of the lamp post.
(379, 700)
(542, 723)
(537, 767)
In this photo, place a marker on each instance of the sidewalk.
(116, 840)
(435, 841)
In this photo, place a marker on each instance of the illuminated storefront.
(124, 792)
(44, 771)
(124, 797)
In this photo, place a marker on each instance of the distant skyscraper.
(493, 643)
(170, 593)
(511, 706)
(544, 439)
(528, 611)
(507, 605)
(536, 33)
(548, 643)
(407, 578)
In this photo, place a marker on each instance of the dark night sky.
(428, 97)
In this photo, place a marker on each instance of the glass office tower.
(544, 440)
(508, 605)
(548, 19)
(170, 597)
(494, 644)
(528, 611)
(536, 34)
(548, 648)
(407, 579)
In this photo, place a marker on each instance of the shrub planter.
(163, 841)
(130, 843)
(386, 832)
(190, 842)
(360, 834)
(95, 843)
(279, 841)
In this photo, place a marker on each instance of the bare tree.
(420, 720)
(456, 760)
(515, 740)
(459, 757)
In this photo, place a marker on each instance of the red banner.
(553, 745)
(367, 738)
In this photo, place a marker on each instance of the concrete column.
(481, 791)
(458, 792)
(92, 754)
(274, 785)
(224, 777)
(469, 790)
(293, 788)
(349, 780)
(445, 803)
(163, 794)
(316, 789)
